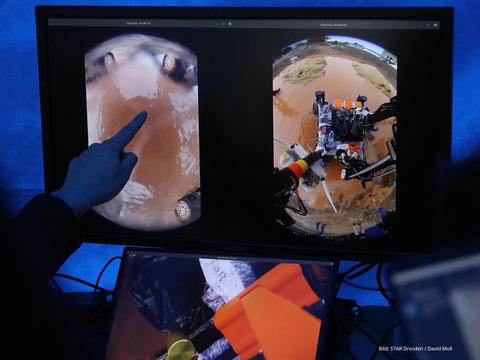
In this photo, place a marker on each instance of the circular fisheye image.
(124, 76)
(334, 112)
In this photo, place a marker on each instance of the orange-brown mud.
(167, 146)
(343, 77)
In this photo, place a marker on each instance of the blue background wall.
(21, 166)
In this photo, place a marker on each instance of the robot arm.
(384, 112)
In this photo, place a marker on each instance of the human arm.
(101, 171)
(45, 232)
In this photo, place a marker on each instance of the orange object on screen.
(298, 168)
(268, 317)
(354, 147)
(347, 104)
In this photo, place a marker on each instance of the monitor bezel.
(257, 253)
(112, 234)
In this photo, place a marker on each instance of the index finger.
(124, 136)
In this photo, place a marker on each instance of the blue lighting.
(21, 163)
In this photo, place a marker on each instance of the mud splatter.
(306, 71)
(375, 77)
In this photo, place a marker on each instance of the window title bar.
(251, 24)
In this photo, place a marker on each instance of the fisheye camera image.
(334, 115)
(129, 74)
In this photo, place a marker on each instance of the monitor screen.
(439, 292)
(274, 126)
(180, 305)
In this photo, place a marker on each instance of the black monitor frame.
(132, 259)
(237, 210)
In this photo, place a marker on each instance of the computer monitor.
(217, 305)
(437, 300)
(272, 126)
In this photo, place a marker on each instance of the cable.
(346, 277)
(362, 287)
(300, 202)
(342, 276)
(358, 308)
(372, 339)
(302, 209)
(352, 269)
(361, 272)
(84, 282)
(383, 339)
(342, 335)
(99, 311)
(380, 285)
(103, 270)
(59, 289)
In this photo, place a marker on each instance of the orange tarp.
(268, 317)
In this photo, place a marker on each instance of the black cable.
(365, 332)
(103, 270)
(361, 272)
(345, 277)
(388, 332)
(383, 339)
(352, 269)
(98, 312)
(371, 338)
(337, 288)
(357, 308)
(342, 276)
(342, 335)
(56, 285)
(84, 283)
(356, 311)
(380, 285)
(362, 287)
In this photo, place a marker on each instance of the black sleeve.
(42, 237)
(34, 245)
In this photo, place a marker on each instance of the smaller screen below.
(219, 308)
